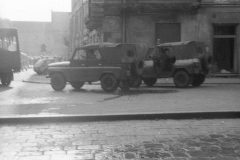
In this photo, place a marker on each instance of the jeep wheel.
(109, 83)
(150, 81)
(181, 79)
(58, 82)
(77, 85)
(6, 79)
(198, 80)
(125, 84)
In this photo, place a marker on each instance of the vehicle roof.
(102, 45)
(178, 43)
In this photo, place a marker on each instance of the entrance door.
(223, 48)
(168, 32)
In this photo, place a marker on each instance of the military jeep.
(187, 62)
(113, 64)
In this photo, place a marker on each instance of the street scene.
(119, 80)
(102, 132)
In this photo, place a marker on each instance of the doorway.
(224, 48)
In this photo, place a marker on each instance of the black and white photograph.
(119, 79)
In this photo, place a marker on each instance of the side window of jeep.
(94, 55)
(80, 55)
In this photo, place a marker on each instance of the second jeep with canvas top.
(187, 62)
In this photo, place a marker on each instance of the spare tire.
(137, 67)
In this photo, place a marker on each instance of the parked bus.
(10, 60)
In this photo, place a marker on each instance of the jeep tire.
(58, 81)
(109, 83)
(77, 85)
(150, 81)
(198, 80)
(181, 79)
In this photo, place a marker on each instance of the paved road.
(122, 140)
(196, 139)
(38, 99)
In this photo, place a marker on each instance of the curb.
(37, 82)
(96, 118)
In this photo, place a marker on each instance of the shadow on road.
(142, 90)
(36, 78)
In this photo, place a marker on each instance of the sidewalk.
(122, 140)
(218, 98)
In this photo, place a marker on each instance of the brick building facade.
(215, 22)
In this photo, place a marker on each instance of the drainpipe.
(123, 25)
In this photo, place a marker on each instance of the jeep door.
(78, 66)
(95, 64)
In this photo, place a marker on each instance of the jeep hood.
(59, 64)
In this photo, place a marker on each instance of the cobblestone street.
(217, 139)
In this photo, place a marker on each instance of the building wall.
(136, 24)
(221, 15)
(55, 35)
(141, 28)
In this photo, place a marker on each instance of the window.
(97, 54)
(80, 55)
(224, 30)
(168, 32)
(93, 54)
(9, 43)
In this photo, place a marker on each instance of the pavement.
(194, 139)
(223, 91)
(118, 139)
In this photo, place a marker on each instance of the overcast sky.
(32, 10)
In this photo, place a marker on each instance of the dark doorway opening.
(168, 32)
(223, 48)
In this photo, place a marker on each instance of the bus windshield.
(8, 39)
(10, 59)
